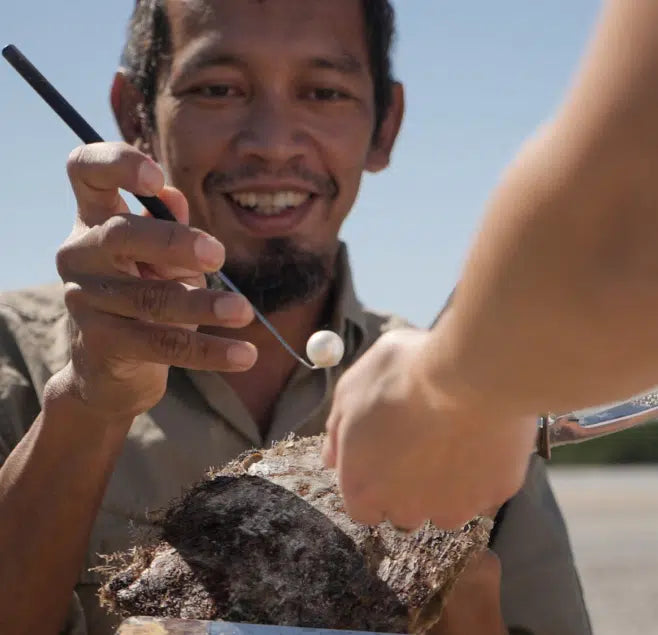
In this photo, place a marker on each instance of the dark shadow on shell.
(266, 540)
(252, 561)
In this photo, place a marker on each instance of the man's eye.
(327, 94)
(216, 90)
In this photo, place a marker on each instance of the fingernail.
(242, 355)
(150, 177)
(231, 307)
(209, 251)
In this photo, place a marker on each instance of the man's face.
(264, 119)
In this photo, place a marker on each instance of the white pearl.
(325, 349)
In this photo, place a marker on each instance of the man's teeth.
(269, 203)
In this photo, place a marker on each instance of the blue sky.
(480, 76)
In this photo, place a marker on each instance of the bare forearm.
(557, 303)
(50, 490)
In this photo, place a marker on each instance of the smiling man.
(122, 387)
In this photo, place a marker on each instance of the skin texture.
(555, 309)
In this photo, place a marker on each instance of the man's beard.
(282, 276)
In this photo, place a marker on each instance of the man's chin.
(281, 276)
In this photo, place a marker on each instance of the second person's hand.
(406, 450)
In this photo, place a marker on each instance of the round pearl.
(325, 349)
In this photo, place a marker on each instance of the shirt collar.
(348, 318)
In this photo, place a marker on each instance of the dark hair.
(149, 45)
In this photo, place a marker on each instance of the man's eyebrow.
(208, 60)
(344, 63)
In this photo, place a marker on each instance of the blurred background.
(480, 77)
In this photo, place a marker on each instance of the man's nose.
(272, 132)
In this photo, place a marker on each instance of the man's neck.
(260, 387)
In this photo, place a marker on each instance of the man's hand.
(473, 606)
(407, 452)
(135, 289)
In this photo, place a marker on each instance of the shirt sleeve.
(541, 591)
(19, 404)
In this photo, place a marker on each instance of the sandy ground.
(612, 515)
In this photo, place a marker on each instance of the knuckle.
(122, 151)
(76, 160)
(203, 350)
(154, 301)
(63, 260)
(103, 158)
(450, 522)
(115, 233)
(452, 518)
(405, 523)
(73, 296)
(362, 513)
(172, 235)
(125, 157)
(175, 237)
(105, 153)
(387, 346)
(174, 344)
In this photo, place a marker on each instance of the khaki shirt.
(200, 422)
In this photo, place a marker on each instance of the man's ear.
(382, 145)
(128, 107)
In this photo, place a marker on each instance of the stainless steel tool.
(596, 422)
